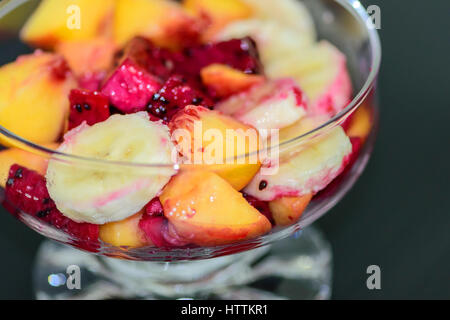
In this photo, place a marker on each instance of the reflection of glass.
(303, 261)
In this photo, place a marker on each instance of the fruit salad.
(150, 108)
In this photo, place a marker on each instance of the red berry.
(157, 61)
(131, 87)
(154, 208)
(240, 54)
(176, 94)
(91, 107)
(26, 191)
(60, 69)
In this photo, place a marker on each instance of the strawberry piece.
(261, 206)
(91, 107)
(240, 54)
(176, 94)
(26, 191)
(130, 87)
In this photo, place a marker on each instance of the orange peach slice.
(360, 123)
(87, 56)
(23, 158)
(166, 23)
(124, 233)
(218, 143)
(225, 81)
(34, 100)
(64, 20)
(205, 210)
(287, 210)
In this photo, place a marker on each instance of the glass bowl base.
(299, 267)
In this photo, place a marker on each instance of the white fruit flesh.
(321, 71)
(272, 105)
(308, 169)
(291, 13)
(274, 40)
(99, 193)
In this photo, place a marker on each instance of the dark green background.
(398, 214)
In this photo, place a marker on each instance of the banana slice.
(99, 193)
(321, 71)
(274, 39)
(291, 13)
(307, 169)
(274, 104)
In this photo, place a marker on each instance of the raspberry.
(60, 69)
(154, 208)
(240, 54)
(91, 107)
(261, 206)
(26, 190)
(130, 87)
(176, 94)
(158, 61)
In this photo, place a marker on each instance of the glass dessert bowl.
(128, 156)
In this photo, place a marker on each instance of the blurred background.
(397, 216)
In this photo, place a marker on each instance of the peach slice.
(166, 23)
(87, 56)
(23, 158)
(205, 210)
(360, 123)
(287, 210)
(34, 93)
(225, 81)
(219, 143)
(219, 12)
(64, 20)
(124, 233)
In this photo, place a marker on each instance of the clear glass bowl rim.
(352, 6)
